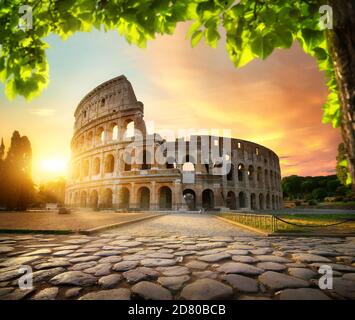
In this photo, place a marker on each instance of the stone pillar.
(154, 197)
(133, 201)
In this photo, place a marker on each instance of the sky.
(276, 103)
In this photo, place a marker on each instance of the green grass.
(305, 223)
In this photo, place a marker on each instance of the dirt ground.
(74, 221)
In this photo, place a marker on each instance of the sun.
(53, 165)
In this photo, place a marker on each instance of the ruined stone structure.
(110, 136)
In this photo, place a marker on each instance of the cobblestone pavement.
(168, 258)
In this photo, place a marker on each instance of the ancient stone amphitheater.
(117, 165)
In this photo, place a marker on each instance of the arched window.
(165, 198)
(230, 175)
(207, 199)
(241, 198)
(94, 199)
(114, 131)
(252, 201)
(144, 198)
(107, 198)
(100, 135)
(86, 168)
(261, 201)
(130, 129)
(251, 173)
(97, 166)
(231, 200)
(109, 163)
(124, 198)
(240, 172)
(190, 199)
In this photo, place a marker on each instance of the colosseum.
(117, 165)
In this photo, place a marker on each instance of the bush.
(312, 202)
(319, 193)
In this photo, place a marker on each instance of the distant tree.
(333, 185)
(17, 187)
(319, 193)
(52, 191)
(292, 186)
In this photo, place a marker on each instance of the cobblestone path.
(176, 257)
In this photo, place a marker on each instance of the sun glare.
(53, 165)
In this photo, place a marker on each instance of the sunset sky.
(276, 103)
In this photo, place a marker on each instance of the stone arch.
(231, 200)
(76, 199)
(124, 198)
(113, 131)
(86, 168)
(242, 200)
(266, 178)
(109, 163)
(97, 166)
(253, 201)
(144, 198)
(89, 139)
(251, 173)
(100, 135)
(83, 199)
(259, 176)
(107, 198)
(268, 201)
(230, 174)
(273, 202)
(190, 198)
(207, 199)
(241, 170)
(94, 199)
(165, 198)
(129, 129)
(261, 201)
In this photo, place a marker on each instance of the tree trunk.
(341, 41)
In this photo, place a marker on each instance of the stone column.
(154, 205)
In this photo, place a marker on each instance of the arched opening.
(230, 174)
(252, 201)
(241, 172)
(94, 199)
(267, 201)
(144, 198)
(190, 199)
(259, 178)
(86, 168)
(266, 176)
(130, 130)
(100, 135)
(241, 198)
(261, 201)
(114, 131)
(273, 202)
(89, 139)
(251, 173)
(271, 180)
(147, 160)
(109, 163)
(76, 199)
(231, 200)
(83, 199)
(97, 165)
(207, 199)
(107, 198)
(165, 198)
(124, 198)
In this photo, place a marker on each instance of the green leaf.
(212, 36)
(196, 37)
(263, 46)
